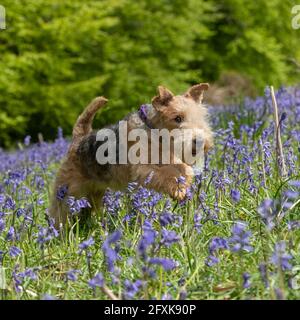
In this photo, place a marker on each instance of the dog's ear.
(196, 92)
(163, 98)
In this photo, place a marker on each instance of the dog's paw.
(177, 191)
(180, 193)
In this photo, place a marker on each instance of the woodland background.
(57, 55)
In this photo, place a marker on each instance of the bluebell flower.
(72, 275)
(268, 211)
(111, 254)
(47, 296)
(279, 294)
(27, 140)
(14, 251)
(112, 201)
(45, 234)
(264, 274)
(166, 218)
(240, 239)
(169, 237)
(211, 260)
(167, 264)
(280, 258)
(62, 192)
(216, 244)
(246, 280)
(131, 288)
(2, 225)
(292, 225)
(11, 234)
(235, 195)
(76, 205)
(147, 239)
(97, 281)
(84, 245)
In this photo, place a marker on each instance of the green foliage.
(55, 56)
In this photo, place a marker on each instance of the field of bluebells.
(236, 236)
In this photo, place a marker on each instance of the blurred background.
(57, 55)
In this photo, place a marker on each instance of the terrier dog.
(81, 175)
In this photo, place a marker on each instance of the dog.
(81, 175)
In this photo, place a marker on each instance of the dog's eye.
(178, 119)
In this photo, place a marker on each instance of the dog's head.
(184, 111)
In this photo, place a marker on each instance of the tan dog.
(82, 176)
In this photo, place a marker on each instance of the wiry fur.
(85, 177)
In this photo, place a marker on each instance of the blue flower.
(235, 195)
(268, 212)
(27, 141)
(264, 274)
(111, 254)
(280, 258)
(14, 251)
(72, 275)
(148, 238)
(240, 239)
(83, 246)
(169, 237)
(131, 288)
(246, 280)
(167, 264)
(62, 192)
(75, 206)
(97, 281)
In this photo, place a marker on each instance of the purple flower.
(75, 206)
(27, 141)
(211, 260)
(218, 243)
(112, 202)
(110, 253)
(45, 234)
(14, 251)
(9, 204)
(61, 192)
(235, 195)
(148, 238)
(246, 280)
(279, 294)
(240, 239)
(295, 183)
(169, 237)
(292, 225)
(166, 218)
(131, 288)
(72, 275)
(83, 246)
(47, 296)
(2, 225)
(11, 234)
(97, 281)
(167, 264)
(149, 178)
(280, 257)
(267, 211)
(264, 274)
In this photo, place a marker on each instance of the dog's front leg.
(173, 179)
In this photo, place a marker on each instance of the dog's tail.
(83, 125)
